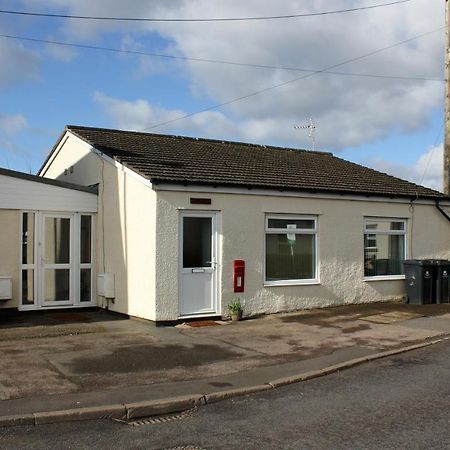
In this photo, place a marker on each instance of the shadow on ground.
(51, 318)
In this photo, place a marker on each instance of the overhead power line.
(210, 19)
(294, 80)
(213, 61)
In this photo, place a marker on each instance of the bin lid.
(442, 262)
(420, 262)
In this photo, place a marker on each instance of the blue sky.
(394, 125)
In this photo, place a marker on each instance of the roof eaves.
(367, 194)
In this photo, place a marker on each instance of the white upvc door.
(198, 264)
(57, 260)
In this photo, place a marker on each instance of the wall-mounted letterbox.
(238, 275)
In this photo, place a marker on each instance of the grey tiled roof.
(164, 158)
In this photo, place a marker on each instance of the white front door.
(198, 264)
(57, 260)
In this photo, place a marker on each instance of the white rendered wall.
(126, 224)
(340, 254)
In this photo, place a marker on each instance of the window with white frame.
(290, 249)
(384, 247)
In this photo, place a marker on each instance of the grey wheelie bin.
(420, 281)
(442, 278)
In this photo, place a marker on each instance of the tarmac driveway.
(57, 352)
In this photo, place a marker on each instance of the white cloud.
(426, 170)
(348, 111)
(12, 124)
(140, 115)
(133, 115)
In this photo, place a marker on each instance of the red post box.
(238, 275)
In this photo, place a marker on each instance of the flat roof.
(49, 181)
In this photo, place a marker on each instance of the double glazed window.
(290, 249)
(384, 247)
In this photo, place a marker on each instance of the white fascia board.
(99, 153)
(17, 193)
(277, 193)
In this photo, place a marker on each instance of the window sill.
(291, 283)
(385, 278)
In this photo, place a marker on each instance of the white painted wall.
(10, 252)
(341, 249)
(126, 223)
(74, 162)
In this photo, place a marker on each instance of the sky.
(392, 124)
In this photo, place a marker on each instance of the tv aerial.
(311, 127)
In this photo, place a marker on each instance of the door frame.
(75, 265)
(215, 223)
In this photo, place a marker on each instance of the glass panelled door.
(57, 260)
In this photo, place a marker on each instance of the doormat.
(391, 317)
(202, 323)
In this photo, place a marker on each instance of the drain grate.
(185, 447)
(162, 419)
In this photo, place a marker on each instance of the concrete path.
(61, 366)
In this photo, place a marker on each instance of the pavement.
(59, 366)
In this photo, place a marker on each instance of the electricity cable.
(211, 19)
(213, 61)
(294, 80)
(431, 152)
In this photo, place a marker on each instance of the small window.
(290, 249)
(384, 247)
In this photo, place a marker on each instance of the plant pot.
(236, 316)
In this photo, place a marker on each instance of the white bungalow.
(179, 217)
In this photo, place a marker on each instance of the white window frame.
(403, 232)
(89, 265)
(29, 266)
(313, 231)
